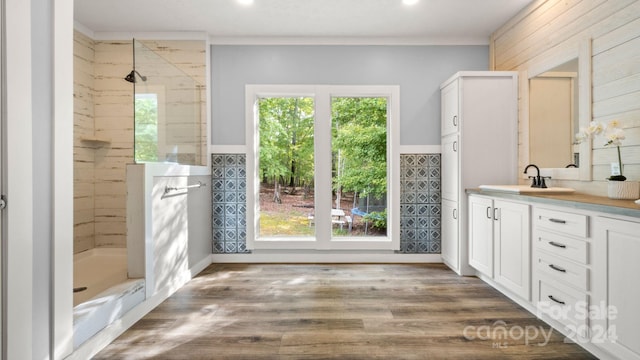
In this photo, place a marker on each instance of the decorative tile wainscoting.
(419, 204)
(229, 201)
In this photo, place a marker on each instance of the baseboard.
(198, 267)
(327, 258)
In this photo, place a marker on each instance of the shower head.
(131, 77)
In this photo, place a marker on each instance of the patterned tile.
(217, 160)
(218, 248)
(229, 198)
(230, 159)
(422, 160)
(420, 203)
(423, 247)
(230, 247)
(217, 172)
(434, 160)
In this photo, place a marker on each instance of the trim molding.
(404, 149)
(398, 41)
(227, 149)
(180, 35)
(325, 257)
(420, 149)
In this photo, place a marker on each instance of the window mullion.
(323, 179)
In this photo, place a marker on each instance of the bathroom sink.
(526, 189)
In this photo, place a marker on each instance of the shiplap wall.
(614, 28)
(104, 109)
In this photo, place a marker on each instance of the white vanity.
(571, 259)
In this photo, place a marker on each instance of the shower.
(131, 77)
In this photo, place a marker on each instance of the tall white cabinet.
(479, 129)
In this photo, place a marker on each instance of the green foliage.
(378, 219)
(146, 129)
(286, 138)
(360, 144)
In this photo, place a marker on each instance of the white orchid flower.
(595, 128)
(615, 137)
(581, 136)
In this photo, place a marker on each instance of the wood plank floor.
(354, 311)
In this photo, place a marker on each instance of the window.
(146, 128)
(323, 167)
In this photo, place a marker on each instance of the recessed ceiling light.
(409, 2)
(245, 2)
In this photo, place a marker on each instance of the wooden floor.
(350, 311)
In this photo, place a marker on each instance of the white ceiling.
(429, 21)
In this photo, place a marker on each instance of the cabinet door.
(449, 109)
(512, 247)
(450, 245)
(616, 250)
(450, 167)
(481, 234)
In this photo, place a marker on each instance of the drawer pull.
(557, 221)
(556, 300)
(553, 243)
(557, 268)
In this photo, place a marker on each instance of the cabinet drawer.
(565, 305)
(562, 246)
(563, 270)
(560, 221)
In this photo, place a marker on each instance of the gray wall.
(418, 70)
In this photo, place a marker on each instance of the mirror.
(553, 117)
(556, 94)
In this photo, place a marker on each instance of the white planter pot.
(624, 190)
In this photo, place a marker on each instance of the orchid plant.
(614, 135)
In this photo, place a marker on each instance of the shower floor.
(96, 270)
(102, 291)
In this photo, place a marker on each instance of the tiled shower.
(420, 203)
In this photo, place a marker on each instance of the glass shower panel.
(169, 119)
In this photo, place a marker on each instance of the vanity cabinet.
(499, 242)
(479, 128)
(583, 263)
(561, 267)
(616, 293)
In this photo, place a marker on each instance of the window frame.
(323, 239)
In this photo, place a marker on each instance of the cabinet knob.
(455, 120)
(455, 146)
(488, 212)
(455, 213)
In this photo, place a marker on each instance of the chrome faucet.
(538, 181)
